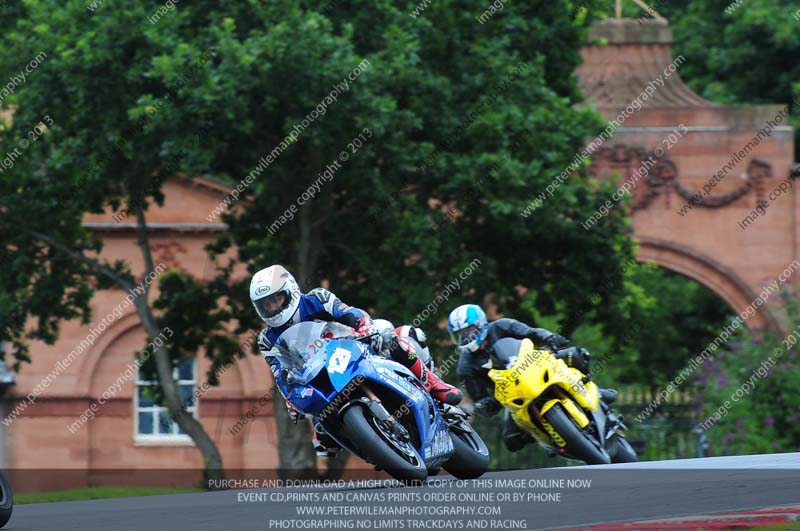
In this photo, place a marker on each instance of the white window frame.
(154, 438)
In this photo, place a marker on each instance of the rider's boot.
(324, 444)
(438, 388)
(513, 436)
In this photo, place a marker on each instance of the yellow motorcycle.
(557, 405)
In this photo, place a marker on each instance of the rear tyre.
(471, 457)
(578, 443)
(622, 452)
(6, 501)
(400, 460)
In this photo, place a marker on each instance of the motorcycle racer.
(279, 302)
(416, 336)
(474, 337)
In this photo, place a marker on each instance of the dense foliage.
(751, 391)
(737, 52)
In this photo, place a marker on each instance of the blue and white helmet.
(468, 327)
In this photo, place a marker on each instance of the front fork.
(376, 408)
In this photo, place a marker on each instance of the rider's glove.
(293, 413)
(555, 341)
(488, 406)
(385, 342)
(364, 326)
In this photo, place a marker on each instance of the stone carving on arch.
(661, 178)
(700, 267)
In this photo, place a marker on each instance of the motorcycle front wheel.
(578, 443)
(380, 446)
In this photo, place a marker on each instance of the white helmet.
(382, 325)
(275, 295)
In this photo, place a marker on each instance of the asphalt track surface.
(616, 493)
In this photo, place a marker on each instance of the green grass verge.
(97, 493)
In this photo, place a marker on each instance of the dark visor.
(466, 335)
(272, 305)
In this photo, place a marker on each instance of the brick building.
(89, 362)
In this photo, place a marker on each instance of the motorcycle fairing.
(349, 360)
(530, 376)
(436, 445)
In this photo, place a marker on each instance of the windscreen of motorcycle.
(302, 347)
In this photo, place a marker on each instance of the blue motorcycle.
(374, 407)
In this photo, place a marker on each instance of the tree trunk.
(212, 459)
(295, 453)
(297, 456)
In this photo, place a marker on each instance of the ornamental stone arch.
(712, 186)
(245, 371)
(704, 269)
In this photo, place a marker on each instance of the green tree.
(739, 53)
(446, 130)
(98, 122)
(674, 319)
(465, 123)
(668, 320)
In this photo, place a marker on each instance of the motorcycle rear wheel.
(578, 443)
(471, 457)
(622, 452)
(401, 461)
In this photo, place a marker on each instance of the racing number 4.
(339, 360)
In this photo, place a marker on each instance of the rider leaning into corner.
(279, 302)
(474, 337)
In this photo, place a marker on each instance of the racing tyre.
(578, 443)
(6, 501)
(471, 457)
(381, 448)
(622, 452)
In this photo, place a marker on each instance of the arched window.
(152, 421)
